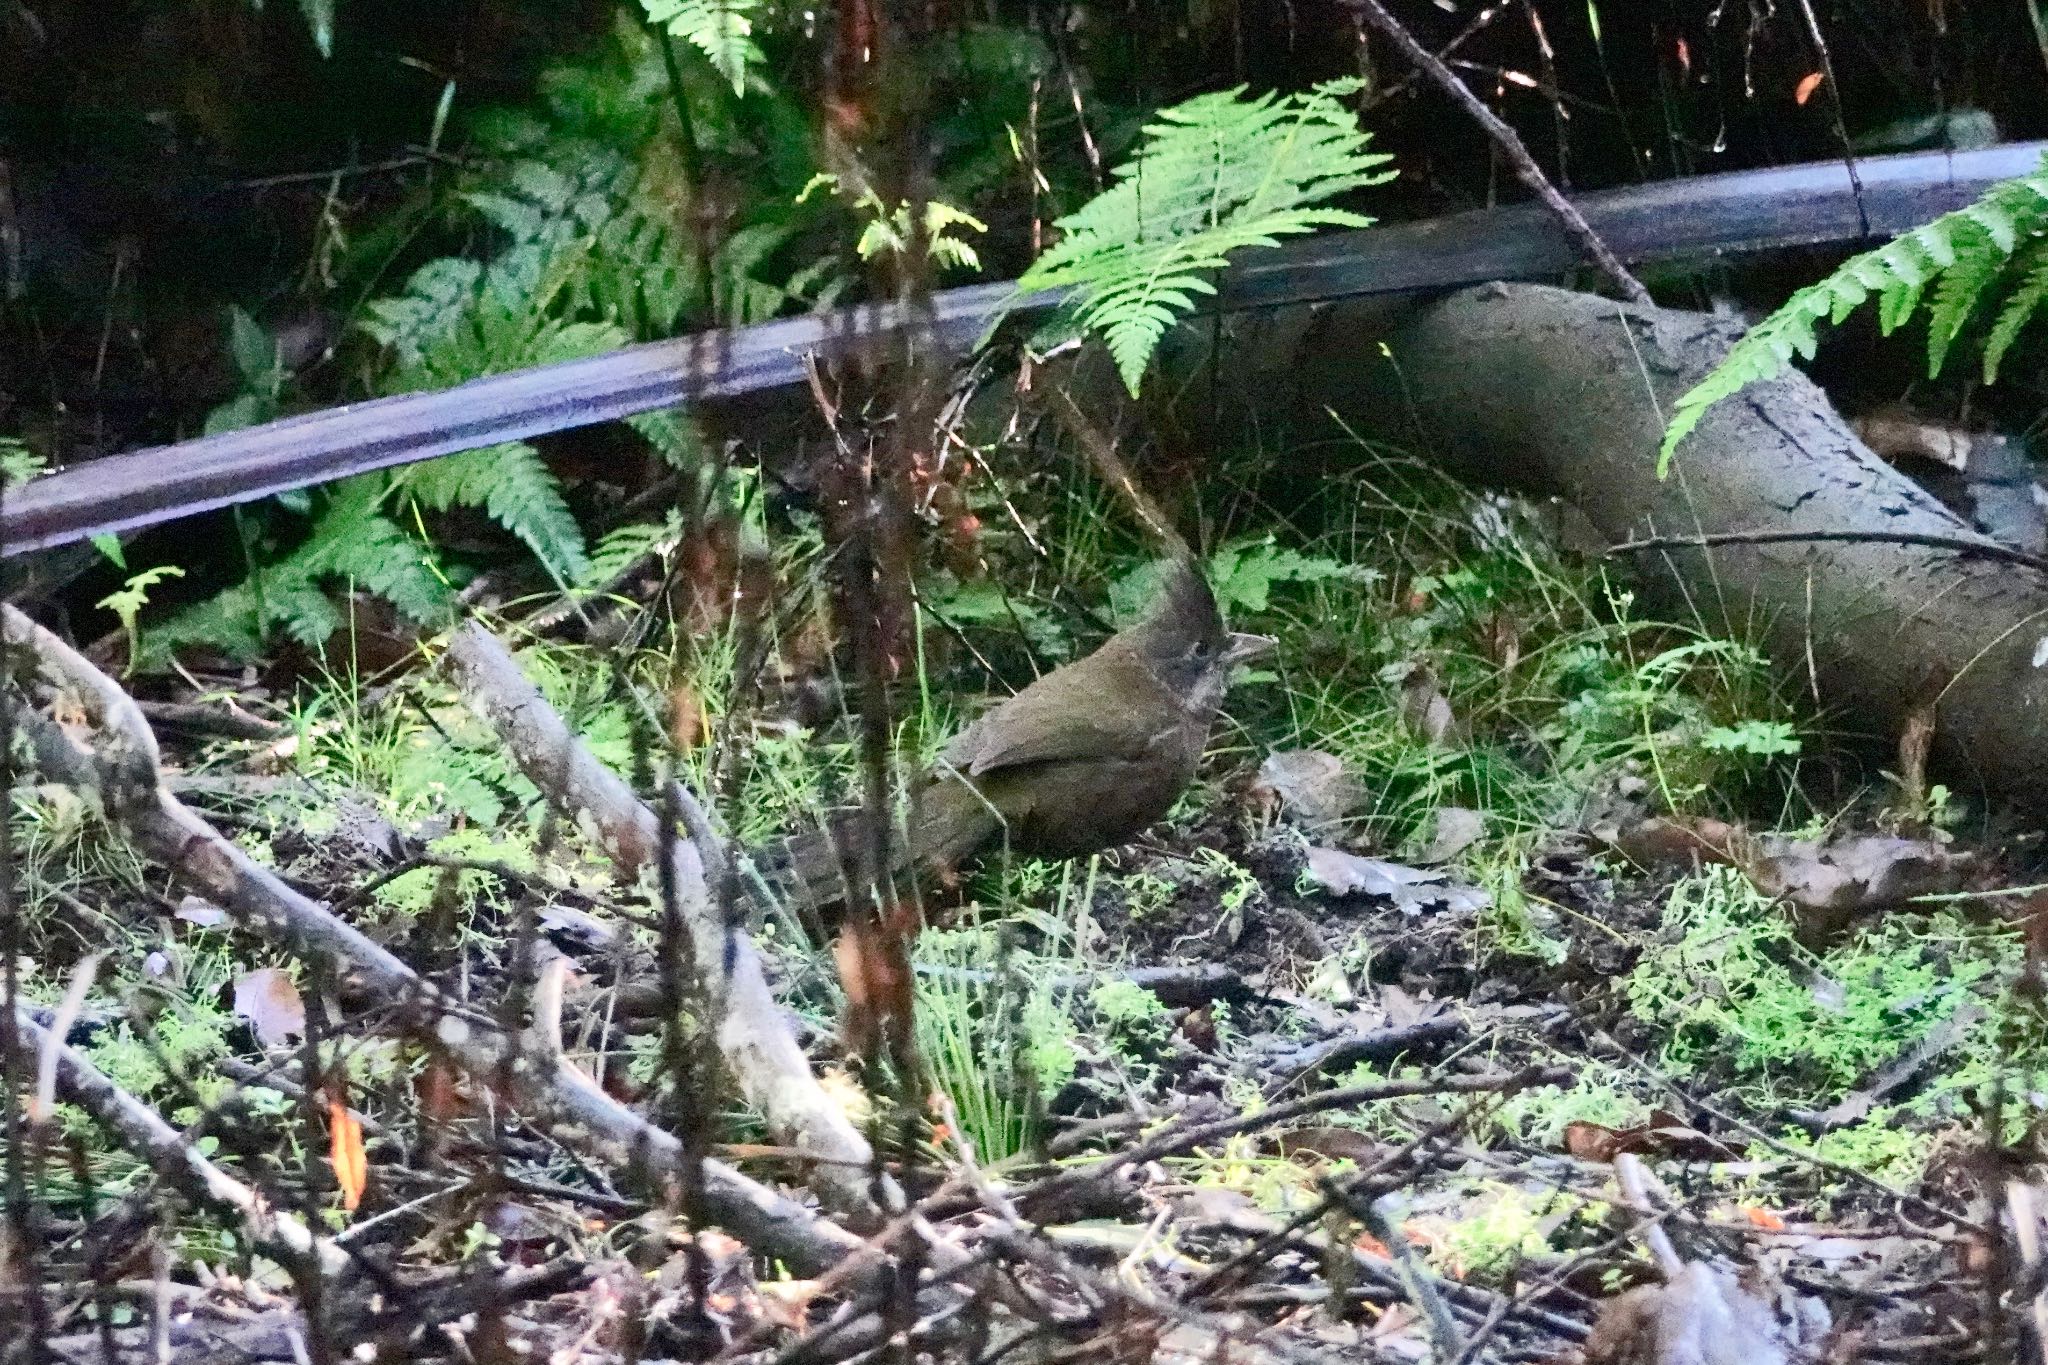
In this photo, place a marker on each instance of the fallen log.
(1696, 217)
(1894, 605)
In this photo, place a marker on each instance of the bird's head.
(1184, 643)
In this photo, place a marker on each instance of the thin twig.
(1827, 69)
(1443, 1328)
(1510, 144)
(126, 779)
(1101, 448)
(180, 1164)
(1180, 1137)
(1785, 1149)
(753, 1037)
(1973, 549)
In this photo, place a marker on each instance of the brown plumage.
(1085, 758)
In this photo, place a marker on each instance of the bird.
(1083, 759)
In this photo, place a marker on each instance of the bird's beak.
(1243, 649)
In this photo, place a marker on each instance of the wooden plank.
(1705, 215)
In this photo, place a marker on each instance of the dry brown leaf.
(1413, 889)
(1916, 737)
(1659, 842)
(786, 1303)
(199, 911)
(689, 723)
(1896, 434)
(1706, 1316)
(1330, 1144)
(1501, 639)
(1308, 785)
(1457, 829)
(873, 955)
(1665, 1134)
(270, 1002)
(1855, 874)
(1843, 876)
(1425, 710)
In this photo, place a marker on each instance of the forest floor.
(1457, 1001)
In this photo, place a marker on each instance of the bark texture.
(1565, 393)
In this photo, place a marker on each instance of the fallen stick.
(1179, 1137)
(181, 1165)
(1706, 216)
(772, 1071)
(552, 1092)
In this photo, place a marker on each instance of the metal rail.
(1703, 216)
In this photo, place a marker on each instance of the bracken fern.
(1997, 245)
(720, 29)
(1215, 174)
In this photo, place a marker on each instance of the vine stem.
(1508, 141)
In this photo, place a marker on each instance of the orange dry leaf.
(873, 954)
(1372, 1246)
(1808, 83)
(345, 1152)
(1765, 1219)
(689, 723)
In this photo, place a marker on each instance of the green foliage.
(1215, 174)
(888, 231)
(1557, 689)
(1242, 573)
(1134, 1020)
(1762, 738)
(588, 222)
(720, 29)
(18, 464)
(128, 601)
(1506, 1227)
(412, 894)
(1886, 1146)
(1730, 986)
(259, 365)
(352, 541)
(1599, 1094)
(1996, 246)
(997, 1051)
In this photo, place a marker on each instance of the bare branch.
(552, 1093)
(753, 1037)
(180, 1164)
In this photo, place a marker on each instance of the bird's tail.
(821, 867)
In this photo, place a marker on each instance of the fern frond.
(2020, 307)
(515, 488)
(625, 546)
(720, 29)
(352, 543)
(1962, 255)
(1216, 174)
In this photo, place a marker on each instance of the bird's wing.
(1044, 727)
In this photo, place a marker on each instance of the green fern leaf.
(352, 544)
(720, 29)
(1215, 175)
(2019, 308)
(515, 488)
(1962, 256)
